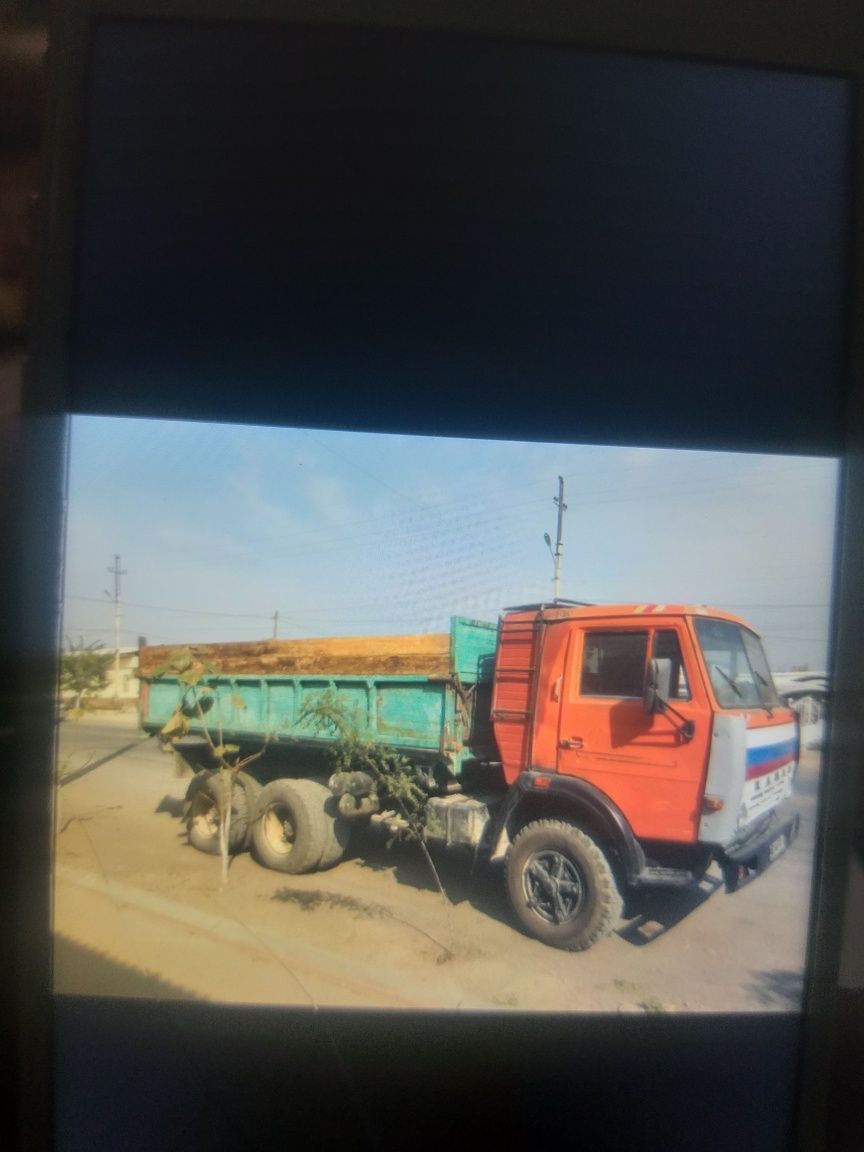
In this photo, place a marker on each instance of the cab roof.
(564, 610)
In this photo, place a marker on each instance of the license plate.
(778, 847)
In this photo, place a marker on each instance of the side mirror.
(658, 680)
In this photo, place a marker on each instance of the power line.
(455, 519)
(647, 486)
(189, 611)
(328, 612)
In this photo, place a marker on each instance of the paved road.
(138, 912)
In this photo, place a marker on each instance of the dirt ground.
(139, 912)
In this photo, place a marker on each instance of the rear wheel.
(338, 834)
(202, 821)
(561, 885)
(295, 828)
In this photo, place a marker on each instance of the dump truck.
(593, 750)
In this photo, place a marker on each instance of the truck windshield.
(736, 664)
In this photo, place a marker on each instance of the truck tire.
(561, 886)
(338, 834)
(295, 829)
(252, 789)
(202, 820)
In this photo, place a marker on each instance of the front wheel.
(561, 886)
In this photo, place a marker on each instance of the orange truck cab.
(638, 743)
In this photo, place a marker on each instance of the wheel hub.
(205, 816)
(553, 886)
(279, 830)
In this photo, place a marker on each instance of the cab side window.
(668, 647)
(613, 663)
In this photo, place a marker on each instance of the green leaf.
(177, 725)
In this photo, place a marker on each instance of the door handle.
(573, 742)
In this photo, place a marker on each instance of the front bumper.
(761, 847)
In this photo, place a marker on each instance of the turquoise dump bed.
(438, 710)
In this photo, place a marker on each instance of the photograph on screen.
(426, 723)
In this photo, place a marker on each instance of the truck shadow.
(463, 878)
(653, 913)
(649, 914)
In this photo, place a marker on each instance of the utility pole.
(276, 624)
(118, 573)
(559, 540)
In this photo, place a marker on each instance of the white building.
(122, 676)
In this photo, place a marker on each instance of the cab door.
(642, 762)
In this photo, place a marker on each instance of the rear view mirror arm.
(686, 728)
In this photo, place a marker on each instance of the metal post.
(559, 540)
(118, 573)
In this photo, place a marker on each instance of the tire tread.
(608, 898)
(320, 839)
(242, 803)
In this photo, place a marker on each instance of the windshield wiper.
(729, 681)
(768, 707)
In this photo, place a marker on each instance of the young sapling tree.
(201, 699)
(395, 777)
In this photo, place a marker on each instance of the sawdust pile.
(423, 655)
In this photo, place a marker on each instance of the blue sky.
(220, 526)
